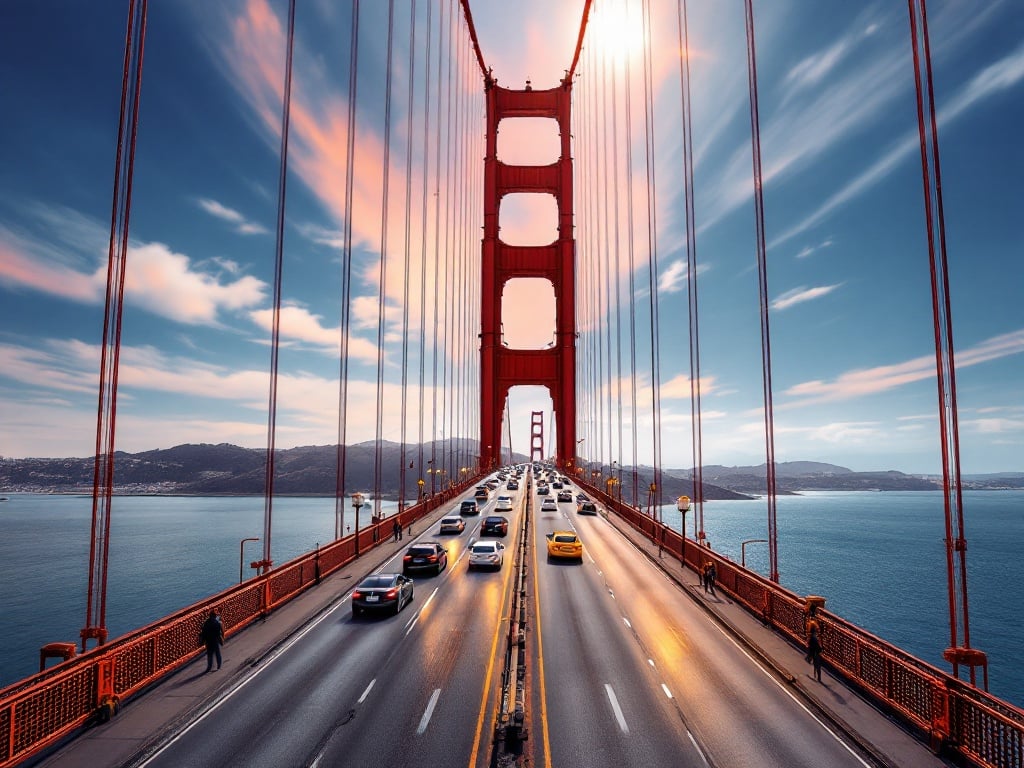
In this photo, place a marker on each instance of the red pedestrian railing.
(953, 715)
(42, 709)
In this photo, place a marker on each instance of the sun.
(616, 30)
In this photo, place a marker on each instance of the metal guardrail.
(954, 716)
(40, 710)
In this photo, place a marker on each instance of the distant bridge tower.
(536, 436)
(502, 368)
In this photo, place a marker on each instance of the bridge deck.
(152, 718)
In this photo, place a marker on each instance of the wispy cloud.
(871, 381)
(157, 279)
(801, 295)
(242, 225)
(673, 277)
(301, 325)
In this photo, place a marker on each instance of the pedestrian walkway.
(148, 719)
(876, 733)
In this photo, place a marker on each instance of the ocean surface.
(877, 557)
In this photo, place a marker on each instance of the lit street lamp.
(419, 493)
(683, 505)
(743, 549)
(241, 555)
(357, 502)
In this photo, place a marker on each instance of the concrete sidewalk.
(146, 720)
(875, 732)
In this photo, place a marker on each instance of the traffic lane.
(433, 702)
(602, 702)
(289, 704)
(739, 712)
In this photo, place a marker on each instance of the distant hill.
(224, 469)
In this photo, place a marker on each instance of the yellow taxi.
(565, 544)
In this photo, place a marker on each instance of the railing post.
(940, 733)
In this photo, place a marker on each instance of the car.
(542, 490)
(503, 504)
(512, 485)
(469, 507)
(486, 554)
(565, 545)
(482, 494)
(495, 525)
(382, 592)
(586, 508)
(564, 496)
(581, 497)
(452, 524)
(556, 484)
(548, 505)
(491, 484)
(425, 556)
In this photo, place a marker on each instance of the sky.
(852, 341)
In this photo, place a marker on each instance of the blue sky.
(852, 342)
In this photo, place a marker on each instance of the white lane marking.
(651, 662)
(591, 557)
(697, 747)
(411, 622)
(666, 690)
(367, 691)
(626, 622)
(425, 720)
(616, 708)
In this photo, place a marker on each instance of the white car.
(503, 504)
(453, 524)
(486, 554)
(548, 505)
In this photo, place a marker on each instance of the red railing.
(38, 711)
(953, 715)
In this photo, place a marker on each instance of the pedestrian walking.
(814, 653)
(712, 576)
(704, 576)
(212, 636)
(396, 531)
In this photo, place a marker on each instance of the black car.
(564, 496)
(494, 525)
(382, 592)
(586, 508)
(513, 485)
(469, 507)
(542, 490)
(425, 556)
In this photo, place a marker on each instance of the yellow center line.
(540, 664)
(490, 671)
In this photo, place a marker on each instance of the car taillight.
(392, 593)
(357, 595)
(432, 559)
(407, 558)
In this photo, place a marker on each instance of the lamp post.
(241, 555)
(683, 505)
(357, 502)
(743, 549)
(419, 492)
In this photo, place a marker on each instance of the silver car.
(487, 554)
(452, 524)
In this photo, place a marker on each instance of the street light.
(419, 494)
(743, 549)
(683, 505)
(357, 502)
(241, 555)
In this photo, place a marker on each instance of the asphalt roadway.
(631, 664)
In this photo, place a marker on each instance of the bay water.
(877, 557)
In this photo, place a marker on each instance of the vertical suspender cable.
(618, 280)
(445, 405)
(435, 463)
(110, 353)
(606, 260)
(407, 251)
(945, 366)
(423, 241)
(383, 276)
(652, 242)
(268, 496)
(691, 274)
(762, 271)
(631, 267)
(346, 277)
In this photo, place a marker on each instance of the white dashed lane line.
(425, 720)
(367, 691)
(616, 708)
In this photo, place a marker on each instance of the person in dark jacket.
(212, 635)
(814, 652)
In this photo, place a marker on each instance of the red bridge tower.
(500, 367)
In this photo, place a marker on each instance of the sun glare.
(616, 32)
